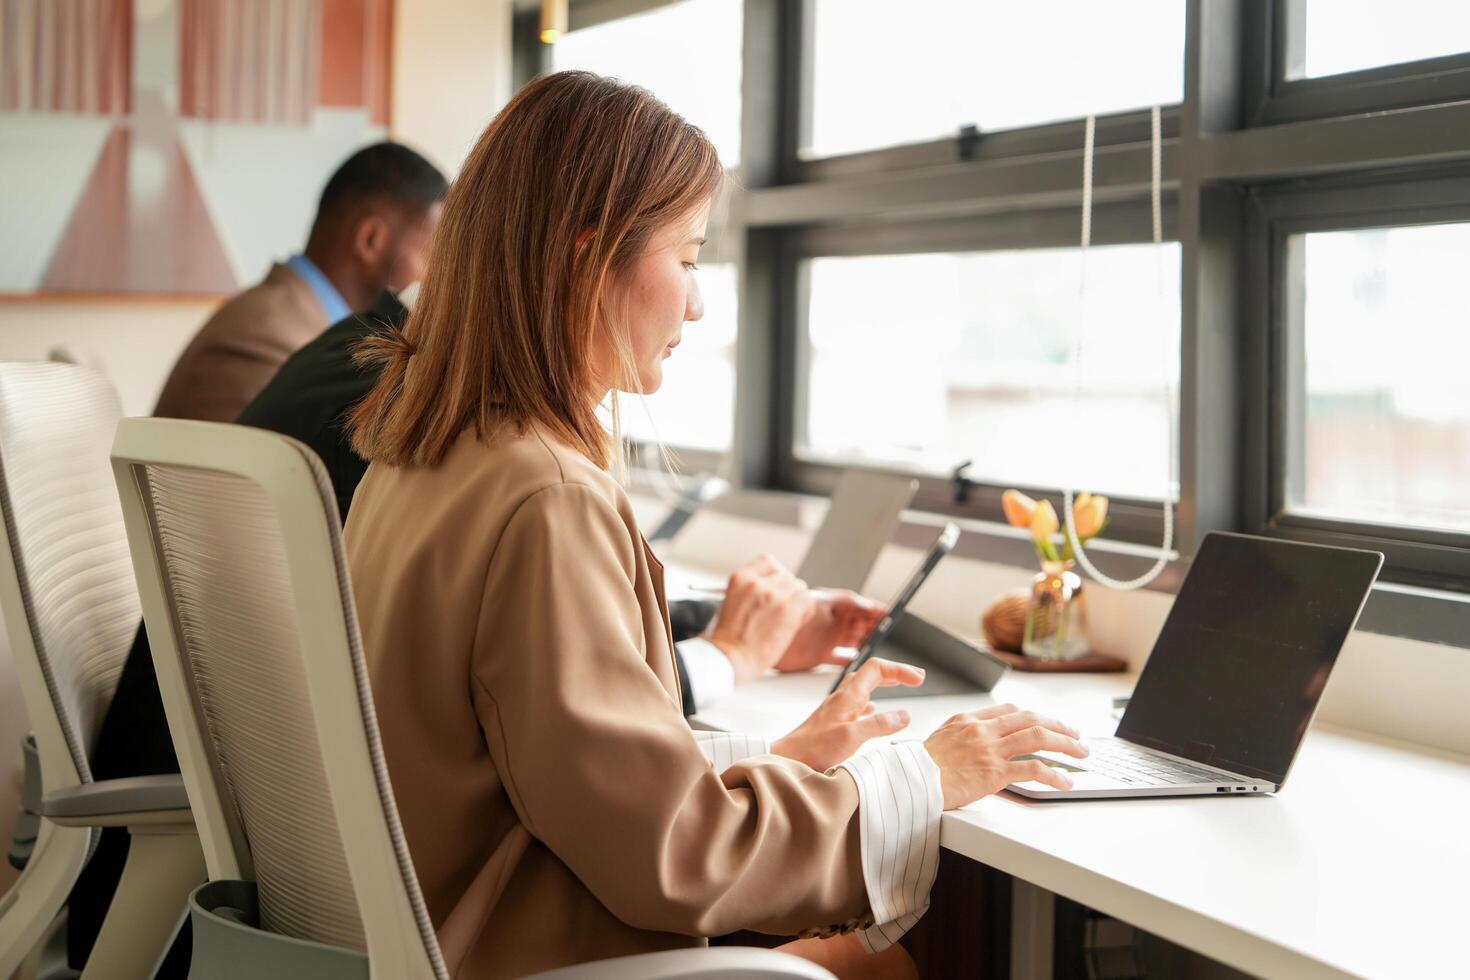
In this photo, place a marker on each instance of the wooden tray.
(1093, 663)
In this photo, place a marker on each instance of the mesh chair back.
(67, 539)
(243, 525)
(225, 561)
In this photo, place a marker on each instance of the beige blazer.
(556, 803)
(241, 347)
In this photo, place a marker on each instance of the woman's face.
(660, 294)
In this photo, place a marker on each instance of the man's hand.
(839, 618)
(848, 718)
(765, 605)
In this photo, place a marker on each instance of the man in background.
(372, 232)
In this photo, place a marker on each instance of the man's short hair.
(387, 172)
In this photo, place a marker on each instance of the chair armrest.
(23, 839)
(112, 797)
(720, 963)
(30, 793)
(27, 823)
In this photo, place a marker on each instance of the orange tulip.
(1018, 508)
(1044, 521)
(1089, 514)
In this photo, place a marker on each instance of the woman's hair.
(561, 192)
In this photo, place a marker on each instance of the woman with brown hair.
(557, 805)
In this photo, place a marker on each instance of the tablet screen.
(943, 546)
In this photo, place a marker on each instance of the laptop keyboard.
(1139, 767)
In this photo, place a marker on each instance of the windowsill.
(1432, 615)
(1002, 544)
(1427, 615)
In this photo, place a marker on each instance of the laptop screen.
(865, 510)
(1236, 674)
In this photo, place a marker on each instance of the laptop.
(865, 509)
(1235, 677)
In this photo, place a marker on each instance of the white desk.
(1359, 867)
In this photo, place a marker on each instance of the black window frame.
(1276, 44)
(1416, 556)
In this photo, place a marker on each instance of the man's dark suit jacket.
(308, 399)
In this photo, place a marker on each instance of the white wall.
(451, 74)
(134, 342)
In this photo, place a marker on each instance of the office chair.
(238, 551)
(71, 609)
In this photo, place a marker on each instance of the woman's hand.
(976, 753)
(838, 618)
(847, 718)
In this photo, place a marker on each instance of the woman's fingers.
(881, 723)
(1038, 738)
(1034, 770)
(994, 711)
(878, 672)
(1015, 721)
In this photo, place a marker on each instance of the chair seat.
(229, 944)
(723, 963)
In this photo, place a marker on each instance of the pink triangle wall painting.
(176, 146)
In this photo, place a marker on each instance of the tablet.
(938, 550)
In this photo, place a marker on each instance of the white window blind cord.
(1158, 228)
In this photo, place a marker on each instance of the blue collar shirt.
(326, 294)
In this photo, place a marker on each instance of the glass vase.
(1056, 618)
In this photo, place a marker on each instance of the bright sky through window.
(886, 73)
(929, 360)
(1350, 35)
(1387, 417)
(687, 54)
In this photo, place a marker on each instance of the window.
(886, 73)
(695, 408)
(911, 301)
(928, 360)
(1381, 433)
(1351, 35)
(686, 53)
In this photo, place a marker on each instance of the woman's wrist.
(789, 748)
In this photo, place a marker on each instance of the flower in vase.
(1044, 523)
(1089, 518)
(1089, 515)
(1018, 508)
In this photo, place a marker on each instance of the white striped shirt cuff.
(711, 675)
(900, 801)
(724, 749)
